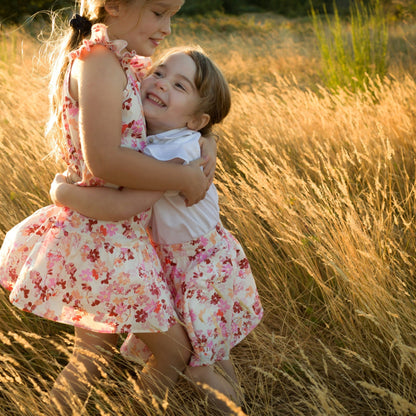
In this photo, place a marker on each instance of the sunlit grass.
(320, 189)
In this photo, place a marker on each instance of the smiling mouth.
(156, 100)
(156, 41)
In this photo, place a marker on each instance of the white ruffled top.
(173, 222)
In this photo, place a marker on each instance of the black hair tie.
(80, 24)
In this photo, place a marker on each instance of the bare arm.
(101, 203)
(209, 153)
(100, 94)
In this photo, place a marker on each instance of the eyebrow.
(183, 77)
(164, 5)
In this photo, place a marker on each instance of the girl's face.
(142, 24)
(170, 98)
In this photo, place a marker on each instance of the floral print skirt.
(214, 292)
(98, 275)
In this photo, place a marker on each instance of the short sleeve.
(185, 150)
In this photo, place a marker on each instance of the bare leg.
(228, 367)
(207, 375)
(171, 352)
(92, 352)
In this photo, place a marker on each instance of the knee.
(90, 367)
(180, 352)
(92, 363)
(197, 374)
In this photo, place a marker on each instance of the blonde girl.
(103, 277)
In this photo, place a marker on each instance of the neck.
(152, 132)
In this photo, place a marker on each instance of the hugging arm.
(101, 203)
(101, 92)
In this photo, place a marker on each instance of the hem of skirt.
(104, 327)
(198, 363)
(206, 364)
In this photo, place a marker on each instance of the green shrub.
(354, 52)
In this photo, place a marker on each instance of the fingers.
(209, 169)
(202, 161)
(208, 166)
(193, 201)
(55, 185)
(59, 178)
(199, 185)
(210, 176)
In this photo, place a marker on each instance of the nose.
(166, 29)
(162, 84)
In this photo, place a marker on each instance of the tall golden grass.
(320, 189)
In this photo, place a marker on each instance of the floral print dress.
(215, 296)
(99, 275)
(207, 271)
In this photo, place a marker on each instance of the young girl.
(103, 277)
(205, 267)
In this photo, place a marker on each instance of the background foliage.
(18, 10)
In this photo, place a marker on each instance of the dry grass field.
(320, 188)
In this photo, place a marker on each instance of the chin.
(143, 50)
(147, 50)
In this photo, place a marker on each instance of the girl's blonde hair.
(68, 40)
(210, 84)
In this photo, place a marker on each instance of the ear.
(198, 122)
(112, 8)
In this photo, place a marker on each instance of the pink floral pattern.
(98, 275)
(214, 292)
(133, 129)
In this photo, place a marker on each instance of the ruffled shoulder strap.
(99, 36)
(128, 59)
(139, 65)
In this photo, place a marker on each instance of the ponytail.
(79, 28)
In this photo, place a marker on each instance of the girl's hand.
(209, 150)
(57, 184)
(197, 184)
